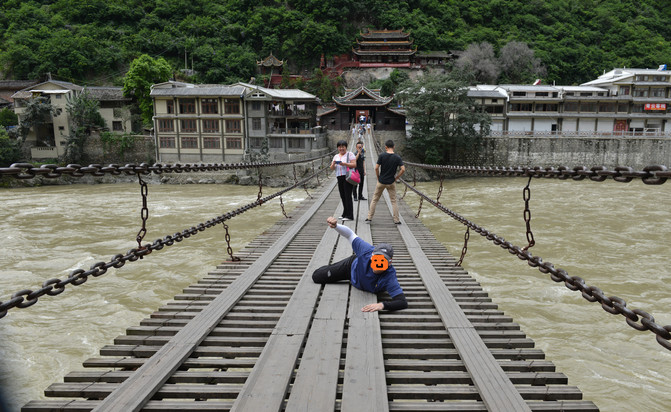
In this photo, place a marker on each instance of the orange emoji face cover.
(379, 262)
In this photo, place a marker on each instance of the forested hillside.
(94, 41)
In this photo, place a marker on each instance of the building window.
(641, 78)
(166, 142)
(296, 143)
(520, 107)
(210, 126)
(187, 106)
(211, 143)
(606, 107)
(571, 107)
(256, 106)
(256, 142)
(256, 123)
(495, 100)
(189, 142)
(541, 94)
(188, 126)
(276, 142)
(233, 126)
(234, 143)
(117, 126)
(231, 106)
(519, 94)
(624, 90)
(657, 92)
(586, 94)
(637, 108)
(587, 107)
(494, 109)
(166, 125)
(622, 107)
(61, 128)
(641, 93)
(544, 107)
(209, 106)
(170, 106)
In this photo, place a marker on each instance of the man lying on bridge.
(369, 269)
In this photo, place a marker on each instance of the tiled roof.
(186, 89)
(107, 93)
(271, 61)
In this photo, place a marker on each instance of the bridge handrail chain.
(611, 304)
(52, 171)
(650, 175)
(27, 297)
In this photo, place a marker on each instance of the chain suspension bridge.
(257, 334)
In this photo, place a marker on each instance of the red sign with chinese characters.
(655, 106)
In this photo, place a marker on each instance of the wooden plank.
(316, 382)
(364, 383)
(266, 388)
(139, 388)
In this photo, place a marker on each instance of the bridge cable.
(636, 318)
(52, 287)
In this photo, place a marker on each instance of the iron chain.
(526, 194)
(464, 249)
(650, 175)
(52, 171)
(229, 249)
(635, 318)
(55, 286)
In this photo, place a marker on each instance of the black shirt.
(388, 162)
(359, 162)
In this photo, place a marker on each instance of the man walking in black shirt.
(385, 169)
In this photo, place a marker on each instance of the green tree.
(145, 71)
(38, 112)
(447, 127)
(84, 116)
(8, 118)
(9, 149)
(323, 86)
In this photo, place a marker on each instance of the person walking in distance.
(361, 167)
(385, 169)
(341, 162)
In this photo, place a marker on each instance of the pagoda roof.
(362, 96)
(271, 61)
(384, 34)
(385, 42)
(385, 52)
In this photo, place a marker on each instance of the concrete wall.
(570, 152)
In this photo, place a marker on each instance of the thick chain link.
(55, 286)
(260, 184)
(635, 318)
(283, 211)
(144, 213)
(229, 249)
(526, 194)
(52, 171)
(464, 249)
(650, 175)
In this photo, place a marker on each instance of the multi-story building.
(198, 123)
(48, 140)
(620, 102)
(286, 117)
(218, 123)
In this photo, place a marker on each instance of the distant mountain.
(94, 41)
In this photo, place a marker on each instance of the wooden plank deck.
(260, 335)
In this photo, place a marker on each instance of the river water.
(611, 234)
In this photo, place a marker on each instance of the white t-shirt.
(341, 170)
